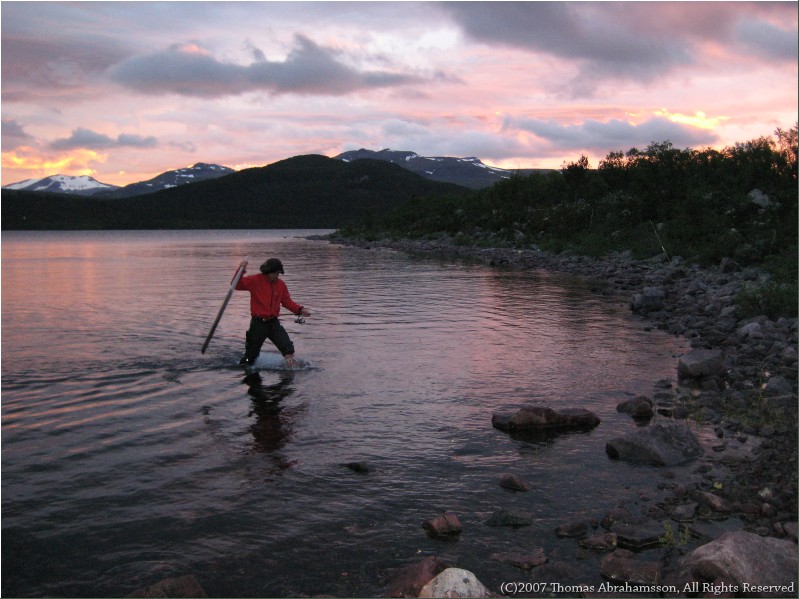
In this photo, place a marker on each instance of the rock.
(712, 501)
(571, 530)
(637, 535)
(512, 483)
(659, 445)
(410, 580)
(542, 418)
(454, 582)
(650, 299)
(700, 364)
(514, 519)
(600, 542)
(359, 467)
(750, 331)
(778, 385)
(744, 557)
(759, 199)
(728, 265)
(523, 560)
(182, 586)
(445, 525)
(640, 408)
(621, 566)
(684, 512)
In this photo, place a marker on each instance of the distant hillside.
(301, 192)
(470, 172)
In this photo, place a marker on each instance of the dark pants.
(260, 331)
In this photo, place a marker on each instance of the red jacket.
(266, 297)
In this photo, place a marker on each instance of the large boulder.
(701, 364)
(454, 582)
(537, 418)
(758, 566)
(659, 445)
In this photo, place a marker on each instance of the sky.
(124, 91)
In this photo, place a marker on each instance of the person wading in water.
(267, 294)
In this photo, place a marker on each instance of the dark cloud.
(767, 41)
(58, 69)
(628, 40)
(91, 140)
(309, 69)
(613, 135)
(14, 135)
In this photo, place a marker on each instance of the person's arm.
(292, 306)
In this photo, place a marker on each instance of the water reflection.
(272, 428)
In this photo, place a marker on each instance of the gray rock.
(701, 363)
(778, 385)
(651, 299)
(744, 557)
(753, 330)
(659, 445)
(758, 198)
(454, 582)
(640, 408)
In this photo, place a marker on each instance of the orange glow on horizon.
(698, 119)
(26, 159)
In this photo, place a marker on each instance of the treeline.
(702, 205)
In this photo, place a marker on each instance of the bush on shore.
(702, 205)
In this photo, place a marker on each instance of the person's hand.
(243, 264)
(291, 361)
(305, 312)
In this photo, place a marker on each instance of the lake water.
(129, 457)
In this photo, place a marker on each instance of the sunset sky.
(123, 91)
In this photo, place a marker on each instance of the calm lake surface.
(129, 457)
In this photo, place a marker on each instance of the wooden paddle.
(235, 282)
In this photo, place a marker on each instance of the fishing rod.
(235, 282)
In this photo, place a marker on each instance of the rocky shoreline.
(740, 381)
(738, 384)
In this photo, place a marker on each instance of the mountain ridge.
(469, 172)
(310, 191)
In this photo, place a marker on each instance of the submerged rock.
(512, 483)
(658, 445)
(182, 586)
(514, 519)
(533, 418)
(526, 560)
(446, 525)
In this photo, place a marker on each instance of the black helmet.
(272, 265)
